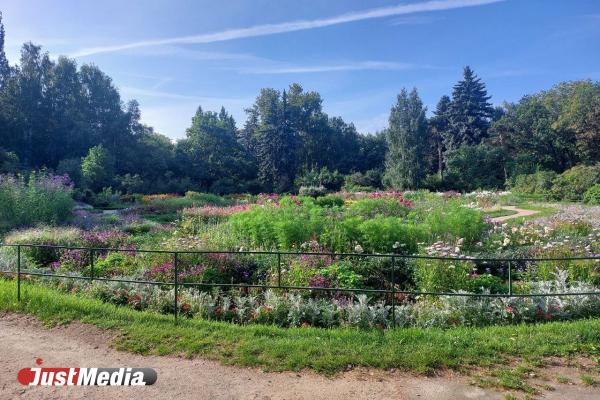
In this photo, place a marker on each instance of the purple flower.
(319, 281)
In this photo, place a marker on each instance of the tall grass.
(41, 198)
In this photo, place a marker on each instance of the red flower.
(539, 313)
(185, 307)
(510, 310)
(548, 317)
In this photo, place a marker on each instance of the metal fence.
(392, 292)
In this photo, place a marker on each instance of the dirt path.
(520, 213)
(23, 339)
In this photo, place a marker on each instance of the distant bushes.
(592, 195)
(538, 183)
(571, 185)
(41, 198)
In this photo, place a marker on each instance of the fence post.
(393, 292)
(278, 269)
(509, 279)
(19, 273)
(176, 310)
(92, 264)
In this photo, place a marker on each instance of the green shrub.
(573, 183)
(324, 177)
(575, 228)
(382, 206)
(203, 199)
(312, 191)
(538, 183)
(342, 274)
(453, 221)
(442, 275)
(592, 195)
(578, 270)
(329, 201)
(285, 226)
(107, 198)
(390, 235)
(116, 264)
(480, 283)
(41, 199)
(367, 182)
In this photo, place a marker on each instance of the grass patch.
(500, 213)
(326, 351)
(588, 380)
(515, 379)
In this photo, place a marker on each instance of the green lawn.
(500, 213)
(326, 351)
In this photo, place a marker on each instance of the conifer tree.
(439, 125)
(469, 112)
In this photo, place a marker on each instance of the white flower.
(358, 248)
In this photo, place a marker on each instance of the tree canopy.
(70, 118)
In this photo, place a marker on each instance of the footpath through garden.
(520, 213)
(23, 339)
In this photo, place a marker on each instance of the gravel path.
(23, 339)
(520, 213)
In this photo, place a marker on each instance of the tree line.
(70, 119)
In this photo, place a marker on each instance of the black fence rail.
(393, 292)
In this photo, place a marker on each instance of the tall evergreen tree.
(4, 66)
(406, 136)
(439, 126)
(469, 112)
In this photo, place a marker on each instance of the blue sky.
(173, 56)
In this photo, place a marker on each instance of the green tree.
(469, 112)
(4, 66)
(214, 150)
(475, 167)
(439, 126)
(406, 136)
(580, 113)
(98, 168)
(275, 141)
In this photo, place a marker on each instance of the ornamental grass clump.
(40, 199)
(52, 236)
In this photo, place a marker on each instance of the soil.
(23, 339)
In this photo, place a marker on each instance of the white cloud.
(350, 66)
(415, 20)
(372, 124)
(293, 26)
